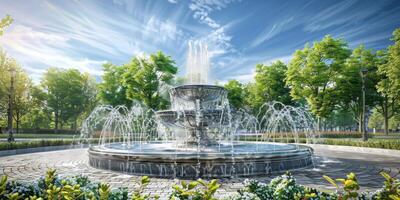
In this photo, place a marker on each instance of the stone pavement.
(335, 162)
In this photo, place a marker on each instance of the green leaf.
(192, 185)
(330, 180)
(386, 176)
(145, 180)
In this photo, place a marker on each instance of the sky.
(239, 33)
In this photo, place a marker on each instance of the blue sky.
(240, 34)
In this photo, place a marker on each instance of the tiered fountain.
(198, 136)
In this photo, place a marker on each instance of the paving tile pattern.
(28, 167)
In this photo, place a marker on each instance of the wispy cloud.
(270, 32)
(219, 41)
(240, 34)
(83, 40)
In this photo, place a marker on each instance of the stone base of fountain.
(162, 160)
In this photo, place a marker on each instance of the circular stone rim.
(190, 86)
(148, 163)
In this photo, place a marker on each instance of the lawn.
(39, 136)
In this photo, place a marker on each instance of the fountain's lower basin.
(158, 159)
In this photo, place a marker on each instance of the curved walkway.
(334, 161)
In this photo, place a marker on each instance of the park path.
(335, 162)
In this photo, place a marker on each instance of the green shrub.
(284, 187)
(191, 191)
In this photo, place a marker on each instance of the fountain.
(199, 136)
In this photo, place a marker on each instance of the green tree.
(389, 84)
(6, 21)
(7, 64)
(68, 93)
(349, 82)
(21, 92)
(146, 79)
(313, 71)
(269, 85)
(376, 120)
(39, 115)
(111, 89)
(22, 97)
(235, 94)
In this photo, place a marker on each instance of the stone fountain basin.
(187, 118)
(201, 92)
(241, 159)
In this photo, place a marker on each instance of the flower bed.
(282, 187)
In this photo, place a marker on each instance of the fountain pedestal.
(196, 109)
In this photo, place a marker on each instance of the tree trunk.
(360, 122)
(56, 122)
(18, 121)
(386, 118)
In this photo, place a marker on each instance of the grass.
(376, 141)
(35, 143)
(39, 136)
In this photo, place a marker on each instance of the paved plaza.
(334, 162)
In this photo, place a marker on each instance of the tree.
(313, 71)
(111, 89)
(269, 85)
(235, 94)
(68, 94)
(145, 79)
(389, 84)
(349, 83)
(7, 64)
(6, 21)
(22, 97)
(39, 115)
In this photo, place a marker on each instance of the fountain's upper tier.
(186, 97)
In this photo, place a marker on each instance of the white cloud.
(341, 14)
(270, 32)
(83, 37)
(165, 30)
(218, 40)
(173, 1)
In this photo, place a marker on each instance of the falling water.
(199, 136)
(198, 63)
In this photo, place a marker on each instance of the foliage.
(236, 93)
(111, 89)
(349, 83)
(7, 64)
(350, 186)
(52, 186)
(139, 195)
(68, 93)
(388, 84)
(313, 71)
(147, 78)
(187, 191)
(6, 21)
(282, 187)
(269, 85)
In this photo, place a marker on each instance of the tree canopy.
(68, 92)
(313, 71)
(270, 85)
(146, 78)
(235, 93)
(6, 21)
